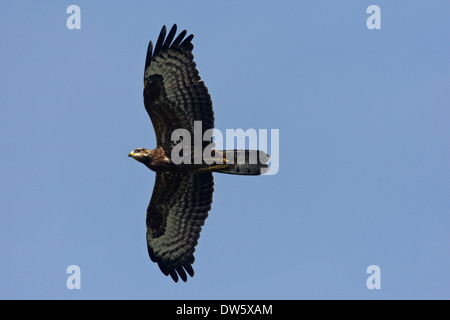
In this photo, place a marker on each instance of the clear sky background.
(364, 176)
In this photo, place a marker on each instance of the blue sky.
(364, 122)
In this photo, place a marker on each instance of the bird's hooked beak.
(131, 154)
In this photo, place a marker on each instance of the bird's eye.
(137, 150)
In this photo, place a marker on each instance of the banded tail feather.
(245, 162)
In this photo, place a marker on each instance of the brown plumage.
(175, 97)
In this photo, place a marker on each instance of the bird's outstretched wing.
(178, 209)
(174, 95)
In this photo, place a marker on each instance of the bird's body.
(175, 98)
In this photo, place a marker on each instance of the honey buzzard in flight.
(175, 97)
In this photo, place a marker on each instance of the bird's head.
(141, 155)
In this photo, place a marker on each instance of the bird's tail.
(244, 162)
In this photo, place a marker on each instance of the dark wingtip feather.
(169, 38)
(179, 38)
(174, 275)
(181, 273)
(163, 268)
(165, 43)
(149, 56)
(173, 272)
(187, 41)
(189, 269)
(160, 41)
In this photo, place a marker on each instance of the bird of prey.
(174, 98)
